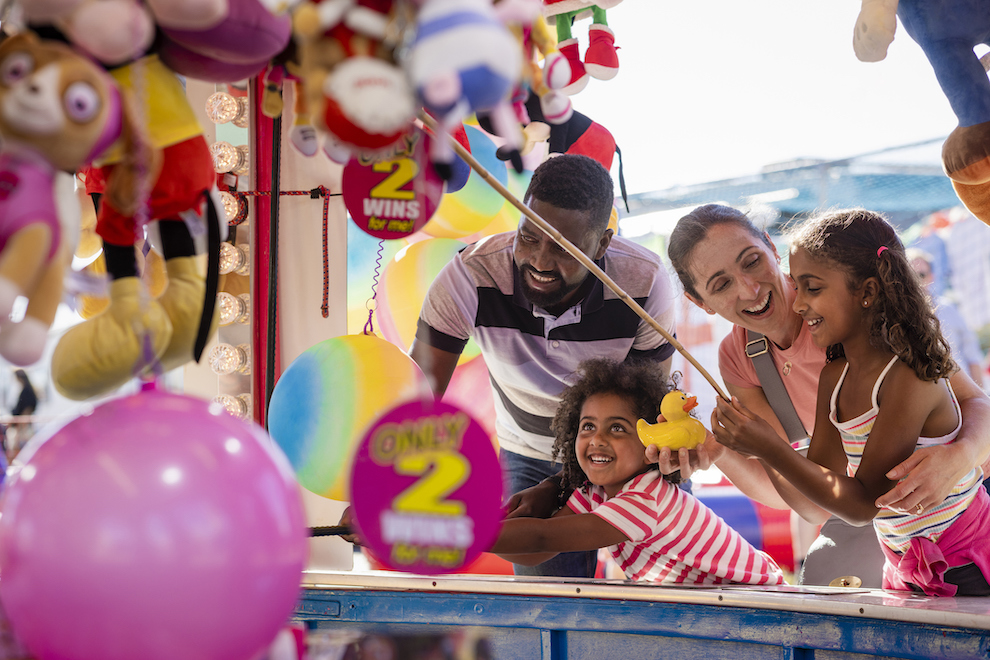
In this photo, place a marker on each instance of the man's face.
(550, 276)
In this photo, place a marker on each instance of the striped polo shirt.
(531, 355)
(894, 529)
(673, 537)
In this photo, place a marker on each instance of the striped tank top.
(896, 529)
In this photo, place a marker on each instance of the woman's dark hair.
(639, 382)
(577, 183)
(865, 245)
(693, 228)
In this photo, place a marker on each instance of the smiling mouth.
(600, 460)
(814, 322)
(541, 279)
(760, 307)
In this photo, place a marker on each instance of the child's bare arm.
(566, 531)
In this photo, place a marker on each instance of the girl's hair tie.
(881, 249)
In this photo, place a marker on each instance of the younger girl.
(883, 393)
(653, 529)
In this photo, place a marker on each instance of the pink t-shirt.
(799, 367)
(673, 537)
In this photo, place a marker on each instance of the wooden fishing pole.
(571, 249)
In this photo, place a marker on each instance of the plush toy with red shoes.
(600, 59)
(947, 31)
(136, 333)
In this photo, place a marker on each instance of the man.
(536, 313)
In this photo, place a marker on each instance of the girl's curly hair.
(640, 382)
(865, 245)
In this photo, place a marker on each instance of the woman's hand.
(739, 429)
(929, 475)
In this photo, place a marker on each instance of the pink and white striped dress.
(673, 537)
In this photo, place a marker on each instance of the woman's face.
(738, 277)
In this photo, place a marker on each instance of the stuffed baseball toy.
(464, 60)
(947, 31)
(58, 111)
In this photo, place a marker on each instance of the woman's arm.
(523, 540)
(748, 475)
(930, 473)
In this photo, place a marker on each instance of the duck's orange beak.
(690, 403)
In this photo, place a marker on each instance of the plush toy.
(118, 31)
(57, 112)
(679, 429)
(358, 97)
(600, 58)
(464, 60)
(545, 82)
(282, 70)
(947, 31)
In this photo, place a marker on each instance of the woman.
(729, 267)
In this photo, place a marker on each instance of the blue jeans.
(519, 473)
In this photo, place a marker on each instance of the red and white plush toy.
(357, 95)
(57, 112)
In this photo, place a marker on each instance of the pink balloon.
(155, 527)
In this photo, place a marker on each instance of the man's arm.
(437, 365)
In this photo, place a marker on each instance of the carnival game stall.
(270, 190)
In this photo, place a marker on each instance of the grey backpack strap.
(758, 350)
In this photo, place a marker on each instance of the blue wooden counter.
(534, 618)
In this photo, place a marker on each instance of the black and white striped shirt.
(531, 355)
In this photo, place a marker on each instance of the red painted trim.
(261, 168)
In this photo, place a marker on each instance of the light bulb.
(242, 120)
(234, 259)
(245, 318)
(231, 205)
(222, 108)
(228, 158)
(232, 308)
(245, 368)
(226, 359)
(239, 406)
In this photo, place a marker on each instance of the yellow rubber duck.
(679, 429)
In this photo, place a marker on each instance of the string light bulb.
(235, 258)
(231, 206)
(232, 308)
(222, 108)
(228, 158)
(239, 406)
(227, 359)
(245, 318)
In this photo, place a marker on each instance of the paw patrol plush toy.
(57, 112)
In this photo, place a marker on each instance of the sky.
(713, 89)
